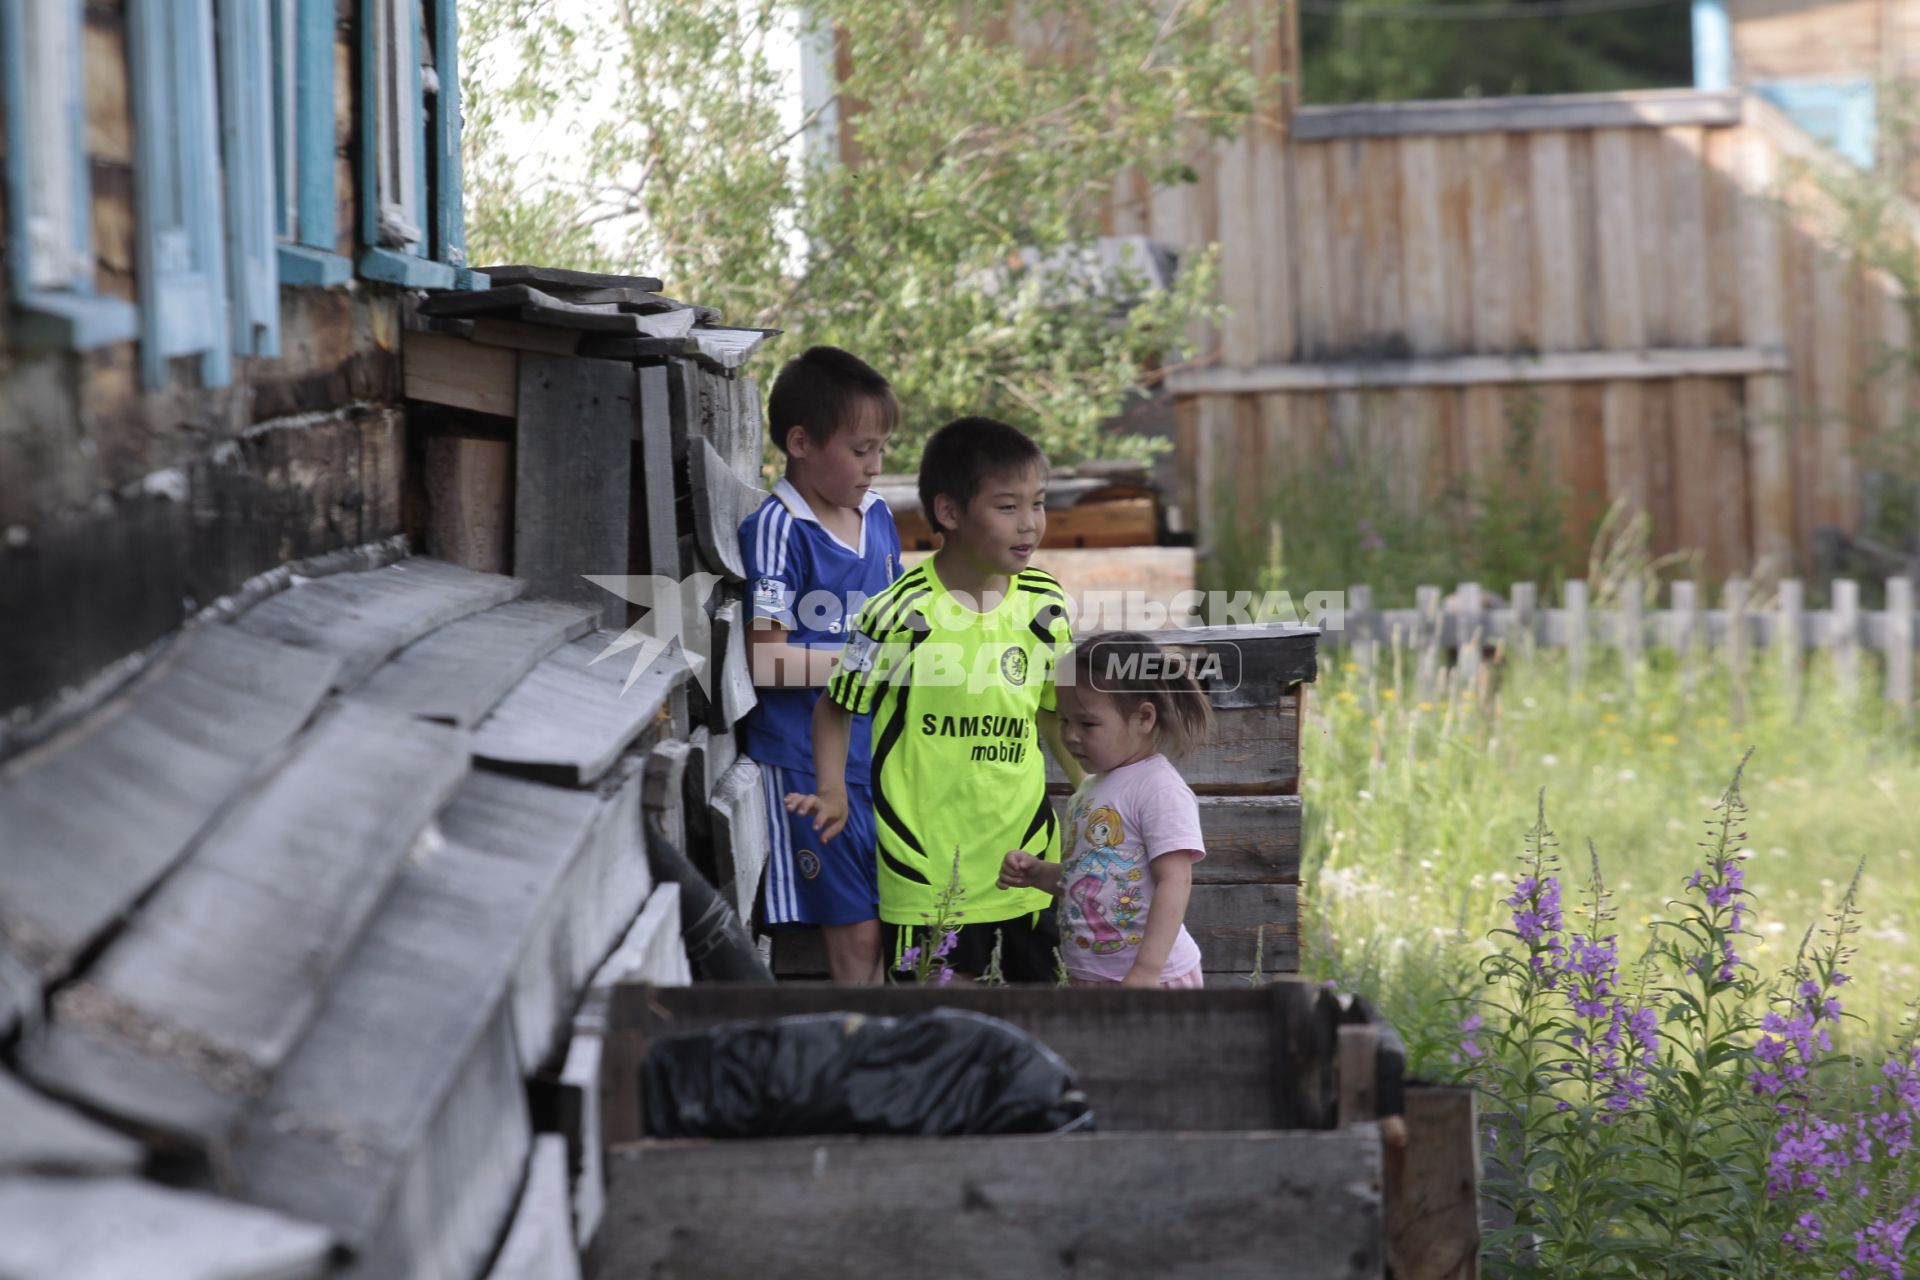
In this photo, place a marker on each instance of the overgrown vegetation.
(1346, 519)
(947, 251)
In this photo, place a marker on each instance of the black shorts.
(1029, 947)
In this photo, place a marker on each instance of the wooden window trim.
(246, 80)
(304, 113)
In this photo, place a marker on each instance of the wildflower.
(908, 959)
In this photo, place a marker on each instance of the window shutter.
(247, 131)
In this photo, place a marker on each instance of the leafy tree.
(979, 163)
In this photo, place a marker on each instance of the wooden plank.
(364, 618)
(1622, 320)
(721, 501)
(1249, 839)
(1433, 1188)
(470, 502)
(97, 815)
(539, 1243)
(1650, 199)
(654, 465)
(1302, 1204)
(39, 1136)
(1313, 259)
(1346, 191)
(1489, 228)
(1556, 301)
(459, 673)
(1359, 1087)
(1424, 247)
(579, 1090)
(1234, 922)
(442, 369)
(1623, 426)
(1900, 629)
(1683, 235)
(1254, 751)
(1466, 371)
(1842, 640)
(561, 282)
(722, 350)
(1252, 1058)
(580, 871)
(1522, 114)
(665, 798)
(652, 951)
(740, 835)
(401, 1123)
(573, 489)
(1834, 472)
(97, 1228)
(193, 1010)
(1382, 312)
(519, 336)
(573, 715)
(730, 688)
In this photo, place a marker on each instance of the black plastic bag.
(949, 1071)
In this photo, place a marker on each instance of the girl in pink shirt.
(1133, 827)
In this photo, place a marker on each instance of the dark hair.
(1110, 665)
(961, 455)
(821, 390)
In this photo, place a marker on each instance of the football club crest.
(1013, 665)
(809, 862)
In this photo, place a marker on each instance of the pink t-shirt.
(1119, 822)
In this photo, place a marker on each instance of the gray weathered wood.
(653, 429)
(1428, 638)
(460, 672)
(1654, 108)
(1791, 634)
(1363, 626)
(1900, 630)
(193, 1010)
(1253, 751)
(579, 1088)
(740, 835)
(563, 282)
(1368, 373)
(1234, 922)
(573, 488)
(573, 715)
(505, 299)
(731, 685)
(1845, 642)
(581, 873)
(113, 1228)
(721, 501)
(611, 321)
(1526, 601)
(720, 349)
(1249, 839)
(401, 1121)
(1632, 627)
(665, 795)
(364, 618)
(1432, 1201)
(652, 951)
(1736, 595)
(1259, 663)
(1247, 1059)
(1685, 630)
(540, 1244)
(97, 815)
(1303, 1205)
(1576, 638)
(1473, 632)
(38, 1135)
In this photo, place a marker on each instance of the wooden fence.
(1469, 621)
(1406, 282)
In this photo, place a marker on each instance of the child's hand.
(1141, 977)
(828, 810)
(1021, 870)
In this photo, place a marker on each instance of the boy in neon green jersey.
(955, 661)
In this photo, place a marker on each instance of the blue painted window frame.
(246, 134)
(1712, 45)
(410, 136)
(1839, 112)
(66, 313)
(181, 252)
(303, 40)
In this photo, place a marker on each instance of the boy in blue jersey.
(816, 550)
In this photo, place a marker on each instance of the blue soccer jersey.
(812, 583)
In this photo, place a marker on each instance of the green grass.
(1416, 811)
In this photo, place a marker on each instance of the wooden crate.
(1258, 1103)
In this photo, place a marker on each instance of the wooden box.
(1219, 1150)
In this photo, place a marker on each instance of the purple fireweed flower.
(1804, 1234)
(908, 959)
(1882, 1243)
(942, 976)
(1470, 1046)
(947, 944)
(1536, 907)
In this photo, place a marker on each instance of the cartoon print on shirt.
(1109, 916)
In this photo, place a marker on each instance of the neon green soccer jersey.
(956, 756)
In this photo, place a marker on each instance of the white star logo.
(676, 616)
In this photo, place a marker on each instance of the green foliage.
(977, 162)
(1364, 52)
(1350, 520)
